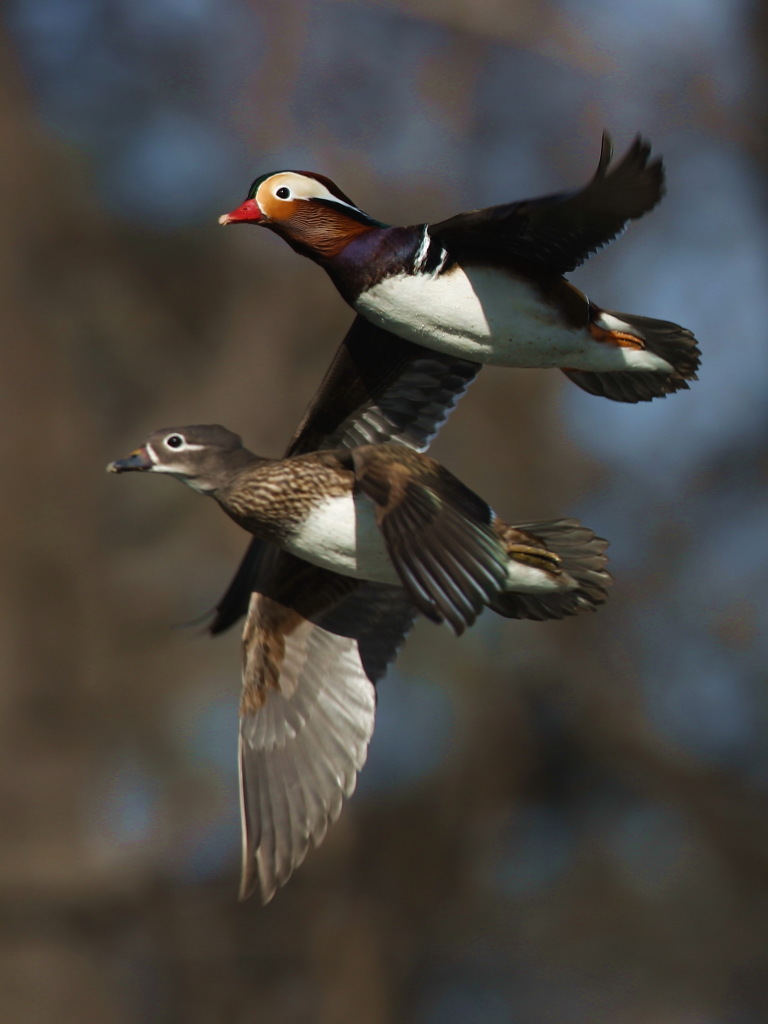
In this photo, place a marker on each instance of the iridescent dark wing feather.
(557, 233)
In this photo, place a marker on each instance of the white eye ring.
(283, 192)
(174, 441)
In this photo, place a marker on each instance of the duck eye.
(283, 193)
(174, 441)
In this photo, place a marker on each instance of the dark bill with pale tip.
(137, 460)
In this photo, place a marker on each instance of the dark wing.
(313, 646)
(558, 232)
(378, 388)
(235, 600)
(437, 533)
(382, 388)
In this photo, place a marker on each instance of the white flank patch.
(341, 534)
(492, 317)
(612, 323)
(527, 579)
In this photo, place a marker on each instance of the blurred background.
(559, 823)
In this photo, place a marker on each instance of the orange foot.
(615, 337)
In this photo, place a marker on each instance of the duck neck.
(228, 478)
(321, 232)
(370, 258)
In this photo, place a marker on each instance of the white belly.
(490, 317)
(341, 534)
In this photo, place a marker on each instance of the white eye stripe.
(186, 446)
(305, 188)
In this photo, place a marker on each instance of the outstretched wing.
(437, 533)
(313, 645)
(558, 232)
(378, 388)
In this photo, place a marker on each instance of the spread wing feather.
(380, 387)
(307, 716)
(437, 533)
(557, 233)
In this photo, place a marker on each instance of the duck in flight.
(369, 536)
(488, 286)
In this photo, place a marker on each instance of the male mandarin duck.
(366, 536)
(488, 285)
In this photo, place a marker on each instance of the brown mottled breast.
(272, 499)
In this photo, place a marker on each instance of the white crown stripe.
(307, 188)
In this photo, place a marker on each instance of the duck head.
(308, 210)
(204, 457)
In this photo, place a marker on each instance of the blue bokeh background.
(557, 822)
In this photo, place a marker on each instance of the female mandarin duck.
(488, 285)
(315, 634)
(374, 534)
(378, 388)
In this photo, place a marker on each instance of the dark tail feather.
(671, 342)
(583, 576)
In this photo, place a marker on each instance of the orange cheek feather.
(277, 209)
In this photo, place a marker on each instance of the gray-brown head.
(203, 456)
